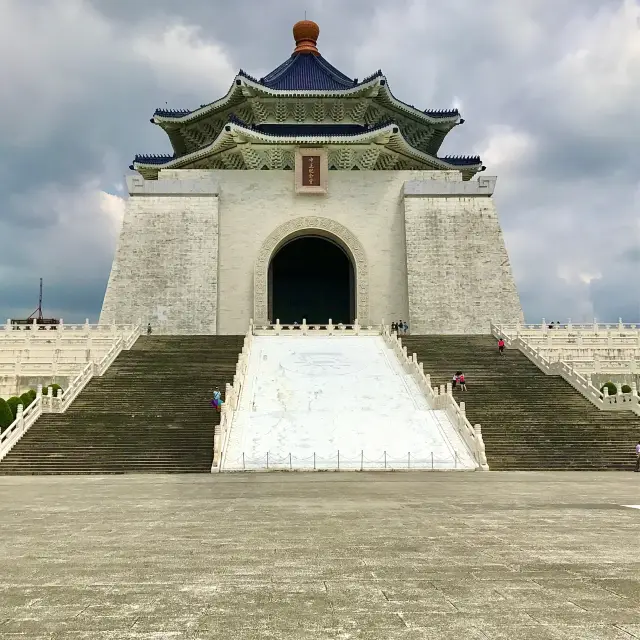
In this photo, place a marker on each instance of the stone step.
(149, 413)
(539, 418)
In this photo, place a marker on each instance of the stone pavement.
(325, 556)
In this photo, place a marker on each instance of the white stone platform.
(336, 403)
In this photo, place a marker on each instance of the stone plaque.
(310, 171)
(312, 166)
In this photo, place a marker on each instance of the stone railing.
(593, 336)
(580, 382)
(36, 331)
(304, 329)
(61, 401)
(441, 398)
(231, 399)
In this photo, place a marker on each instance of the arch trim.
(294, 228)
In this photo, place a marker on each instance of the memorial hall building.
(309, 194)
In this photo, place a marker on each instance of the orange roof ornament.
(306, 34)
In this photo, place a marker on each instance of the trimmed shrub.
(626, 388)
(32, 394)
(611, 388)
(25, 398)
(45, 389)
(13, 403)
(6, 417)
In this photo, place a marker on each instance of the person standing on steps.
(501, 346)
(462, 382)
(454, 381)
(637, 469)
(217, 400)
(149, 329)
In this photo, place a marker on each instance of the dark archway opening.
(311, 277)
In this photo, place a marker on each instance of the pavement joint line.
(404, 622)
(629, 633)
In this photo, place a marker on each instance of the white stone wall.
(459, 275)
(172, 247)
(255, 203)
(166, 266)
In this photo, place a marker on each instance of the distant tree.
(626, 388)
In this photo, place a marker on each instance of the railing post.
(243, 465)
(314, 460)
(409, 460)
(432, 461)
(385, 459)
(462, 407)
(267, 459)
(449, 389)
(634, 388)
(290, 465)
(361, 459)
(338, 459)
(20, 417)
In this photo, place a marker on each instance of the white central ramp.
(336, 403)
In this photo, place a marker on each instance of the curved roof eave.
(221, 143)
(242, 81)
(407, 108)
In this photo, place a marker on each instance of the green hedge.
(32, 394)
(55, 387)
(611, 388)
(26, 400)
(13, 403)
(6, 416)
(626, 388)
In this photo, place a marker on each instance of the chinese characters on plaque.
(311, 170)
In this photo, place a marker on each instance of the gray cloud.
(548, 90)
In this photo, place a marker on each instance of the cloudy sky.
(550, 90)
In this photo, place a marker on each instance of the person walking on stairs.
(454, 381)
(461, 382)
(637, 469)
(149, 329)
(217, 400)
(501, 346)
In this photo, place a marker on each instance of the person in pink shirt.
(501, 346)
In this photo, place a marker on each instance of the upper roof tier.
(306, 90)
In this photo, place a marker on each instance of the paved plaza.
(325, 556)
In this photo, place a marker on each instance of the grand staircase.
(529, 420)
(150, 412)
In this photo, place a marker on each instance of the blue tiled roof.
(307, 72)
(293, 130)
(153, 159)
(441, 113)
(172, 113)
(461, 161)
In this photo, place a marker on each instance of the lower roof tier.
(272, 146)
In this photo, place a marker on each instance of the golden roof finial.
(306, 33)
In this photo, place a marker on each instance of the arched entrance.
(311, 277)
(306, 226)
